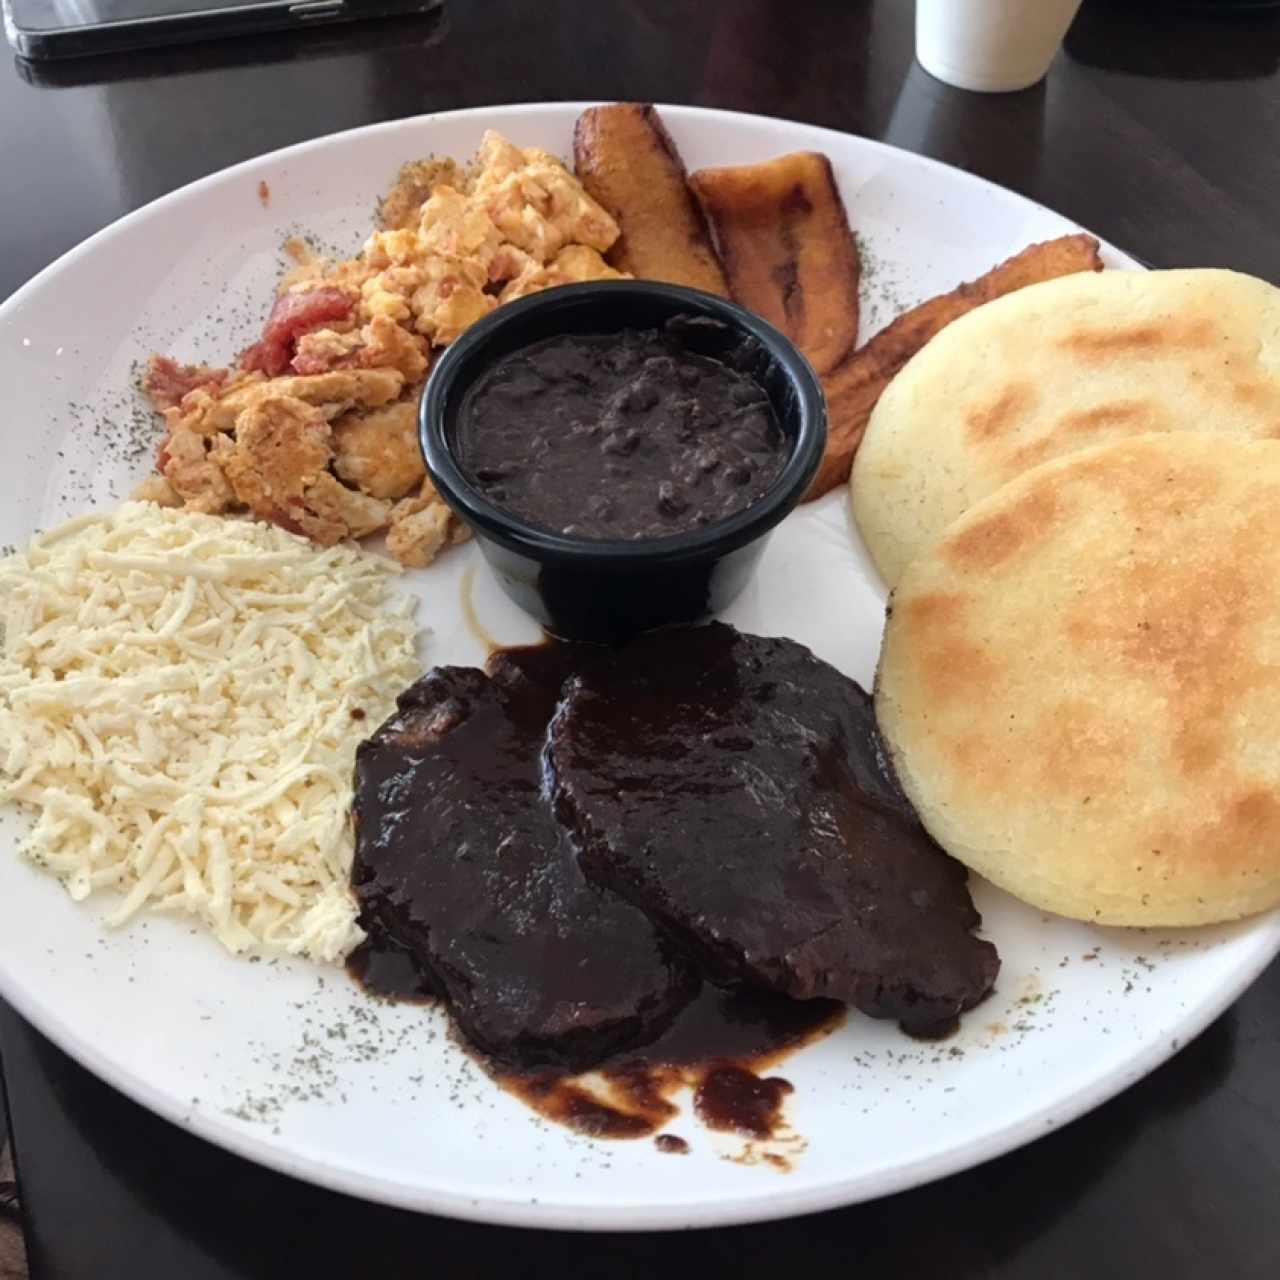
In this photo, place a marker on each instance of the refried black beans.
(621, 435)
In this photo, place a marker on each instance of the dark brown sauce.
(736, 1100)
(671, 1144)
(719, 1046)
(722, 1045)
(732, 788)
(460, 863)
(384, 968)
(628, 1113)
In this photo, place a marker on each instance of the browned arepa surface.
(1080, 682)
(1057, 367)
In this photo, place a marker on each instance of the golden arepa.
(1080, 682)
(1057, 367)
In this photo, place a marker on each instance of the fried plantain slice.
(787, 249)
(626, 160)
(853, 387)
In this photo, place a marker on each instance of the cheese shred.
(181, 697)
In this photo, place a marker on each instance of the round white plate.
(291, 1065)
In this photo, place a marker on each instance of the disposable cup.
(993, 46)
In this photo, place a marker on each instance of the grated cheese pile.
(176, 703)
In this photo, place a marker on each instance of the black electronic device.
(40, 29)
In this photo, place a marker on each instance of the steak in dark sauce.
(733, 788)
(461, 869)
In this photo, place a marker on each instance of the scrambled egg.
(316, 431)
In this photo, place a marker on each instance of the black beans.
(671, 502)
(619, 435)
(622, 441)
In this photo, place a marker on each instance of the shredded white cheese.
(180, 701)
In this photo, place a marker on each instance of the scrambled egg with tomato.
(315, 429)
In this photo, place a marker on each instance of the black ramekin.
(611, 589)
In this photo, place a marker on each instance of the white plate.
(289, 1065)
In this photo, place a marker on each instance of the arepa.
(1057, 367)
(1080, 683)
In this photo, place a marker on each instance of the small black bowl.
(611, 589)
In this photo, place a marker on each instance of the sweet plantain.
(627, 161)
(787, 249)
(854, 386)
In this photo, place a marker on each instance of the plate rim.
(1264, 936)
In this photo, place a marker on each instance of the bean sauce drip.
(624, 435)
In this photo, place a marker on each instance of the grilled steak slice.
(460, 862)
(732, 787)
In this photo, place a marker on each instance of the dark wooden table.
(1157, 130)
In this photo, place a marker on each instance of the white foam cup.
(993, 46)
